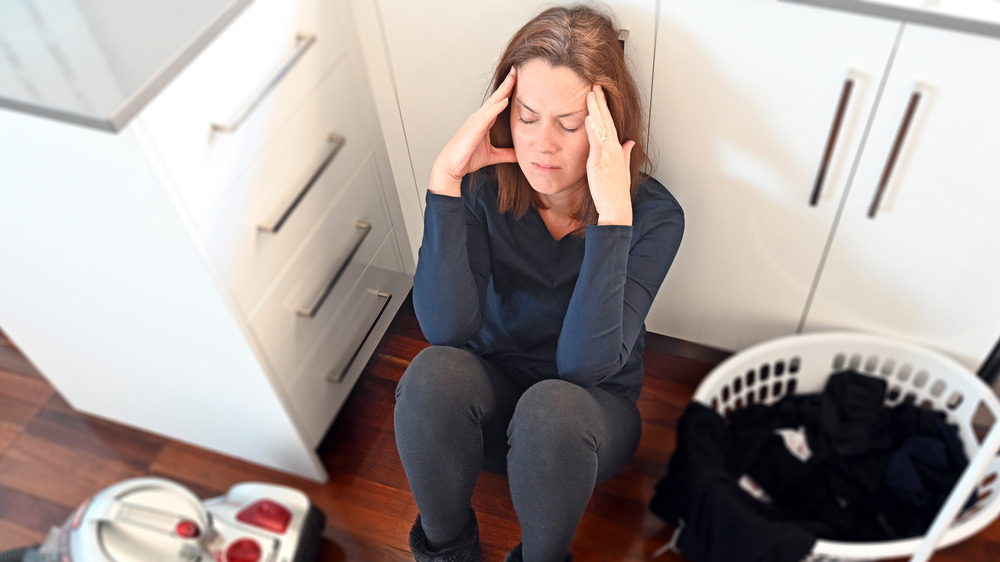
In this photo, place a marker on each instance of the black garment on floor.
(875, 473)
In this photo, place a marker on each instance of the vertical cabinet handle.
(897, 145)
(302, 43)
(338, 375)
(310, 309)
(334, 142)
(831, 141)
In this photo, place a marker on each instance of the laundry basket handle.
(959, 494)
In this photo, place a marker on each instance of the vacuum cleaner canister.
(157, 520)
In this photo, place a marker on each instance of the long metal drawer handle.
(337, 376)
(831, 141)
(310, 310)
(897, 145)
(302, 43)
(334, 142)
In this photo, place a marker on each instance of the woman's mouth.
(544, 168)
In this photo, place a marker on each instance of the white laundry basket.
(802, 364)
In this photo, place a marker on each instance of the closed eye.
(564, 127)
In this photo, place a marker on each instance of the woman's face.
(547, 125)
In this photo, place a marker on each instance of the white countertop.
(972, 16)
(98, 62)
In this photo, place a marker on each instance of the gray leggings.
(456, 414)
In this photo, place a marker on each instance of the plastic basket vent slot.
(921, 379)
(839, 360)
(872, 364)
(855, 363)
(954, 401)
(892, 396)
(779, 368)
(938, 388)
(888, 367)
(982, 421)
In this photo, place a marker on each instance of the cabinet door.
(443, 54)
(926, 267)
(745, 97)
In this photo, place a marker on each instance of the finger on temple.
(498, 106)
(603, 105)
(592, 109)
(592, 133)
(504, 89)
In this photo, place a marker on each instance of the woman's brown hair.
(585, 41)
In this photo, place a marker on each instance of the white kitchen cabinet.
(745, 96)
(926, 266)
(219, 87)
(140, 280)
(438, 58)
(742, 115)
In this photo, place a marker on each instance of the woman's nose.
(545, 140)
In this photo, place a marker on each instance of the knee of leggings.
(434, 378)
(552, 414)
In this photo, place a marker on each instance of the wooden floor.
(52, 458)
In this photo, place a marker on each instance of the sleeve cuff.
(609, 231)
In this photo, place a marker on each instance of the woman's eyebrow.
(524, 105)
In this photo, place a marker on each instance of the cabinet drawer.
(308, 296)
(318, 390)
(250, 79)
(282, 195)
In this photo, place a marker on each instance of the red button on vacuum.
(243, 550)
(187, 529)
(266, 514)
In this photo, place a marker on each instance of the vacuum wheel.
(312, 530)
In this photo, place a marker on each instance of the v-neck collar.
(540, 222)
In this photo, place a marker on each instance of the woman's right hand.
(471, 149)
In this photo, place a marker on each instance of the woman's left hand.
(608, 164)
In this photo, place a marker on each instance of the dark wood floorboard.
(52, 458)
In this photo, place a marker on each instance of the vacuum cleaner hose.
(18, 555)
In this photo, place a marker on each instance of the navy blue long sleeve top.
(540, 308)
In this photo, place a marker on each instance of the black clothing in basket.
(872, 472)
